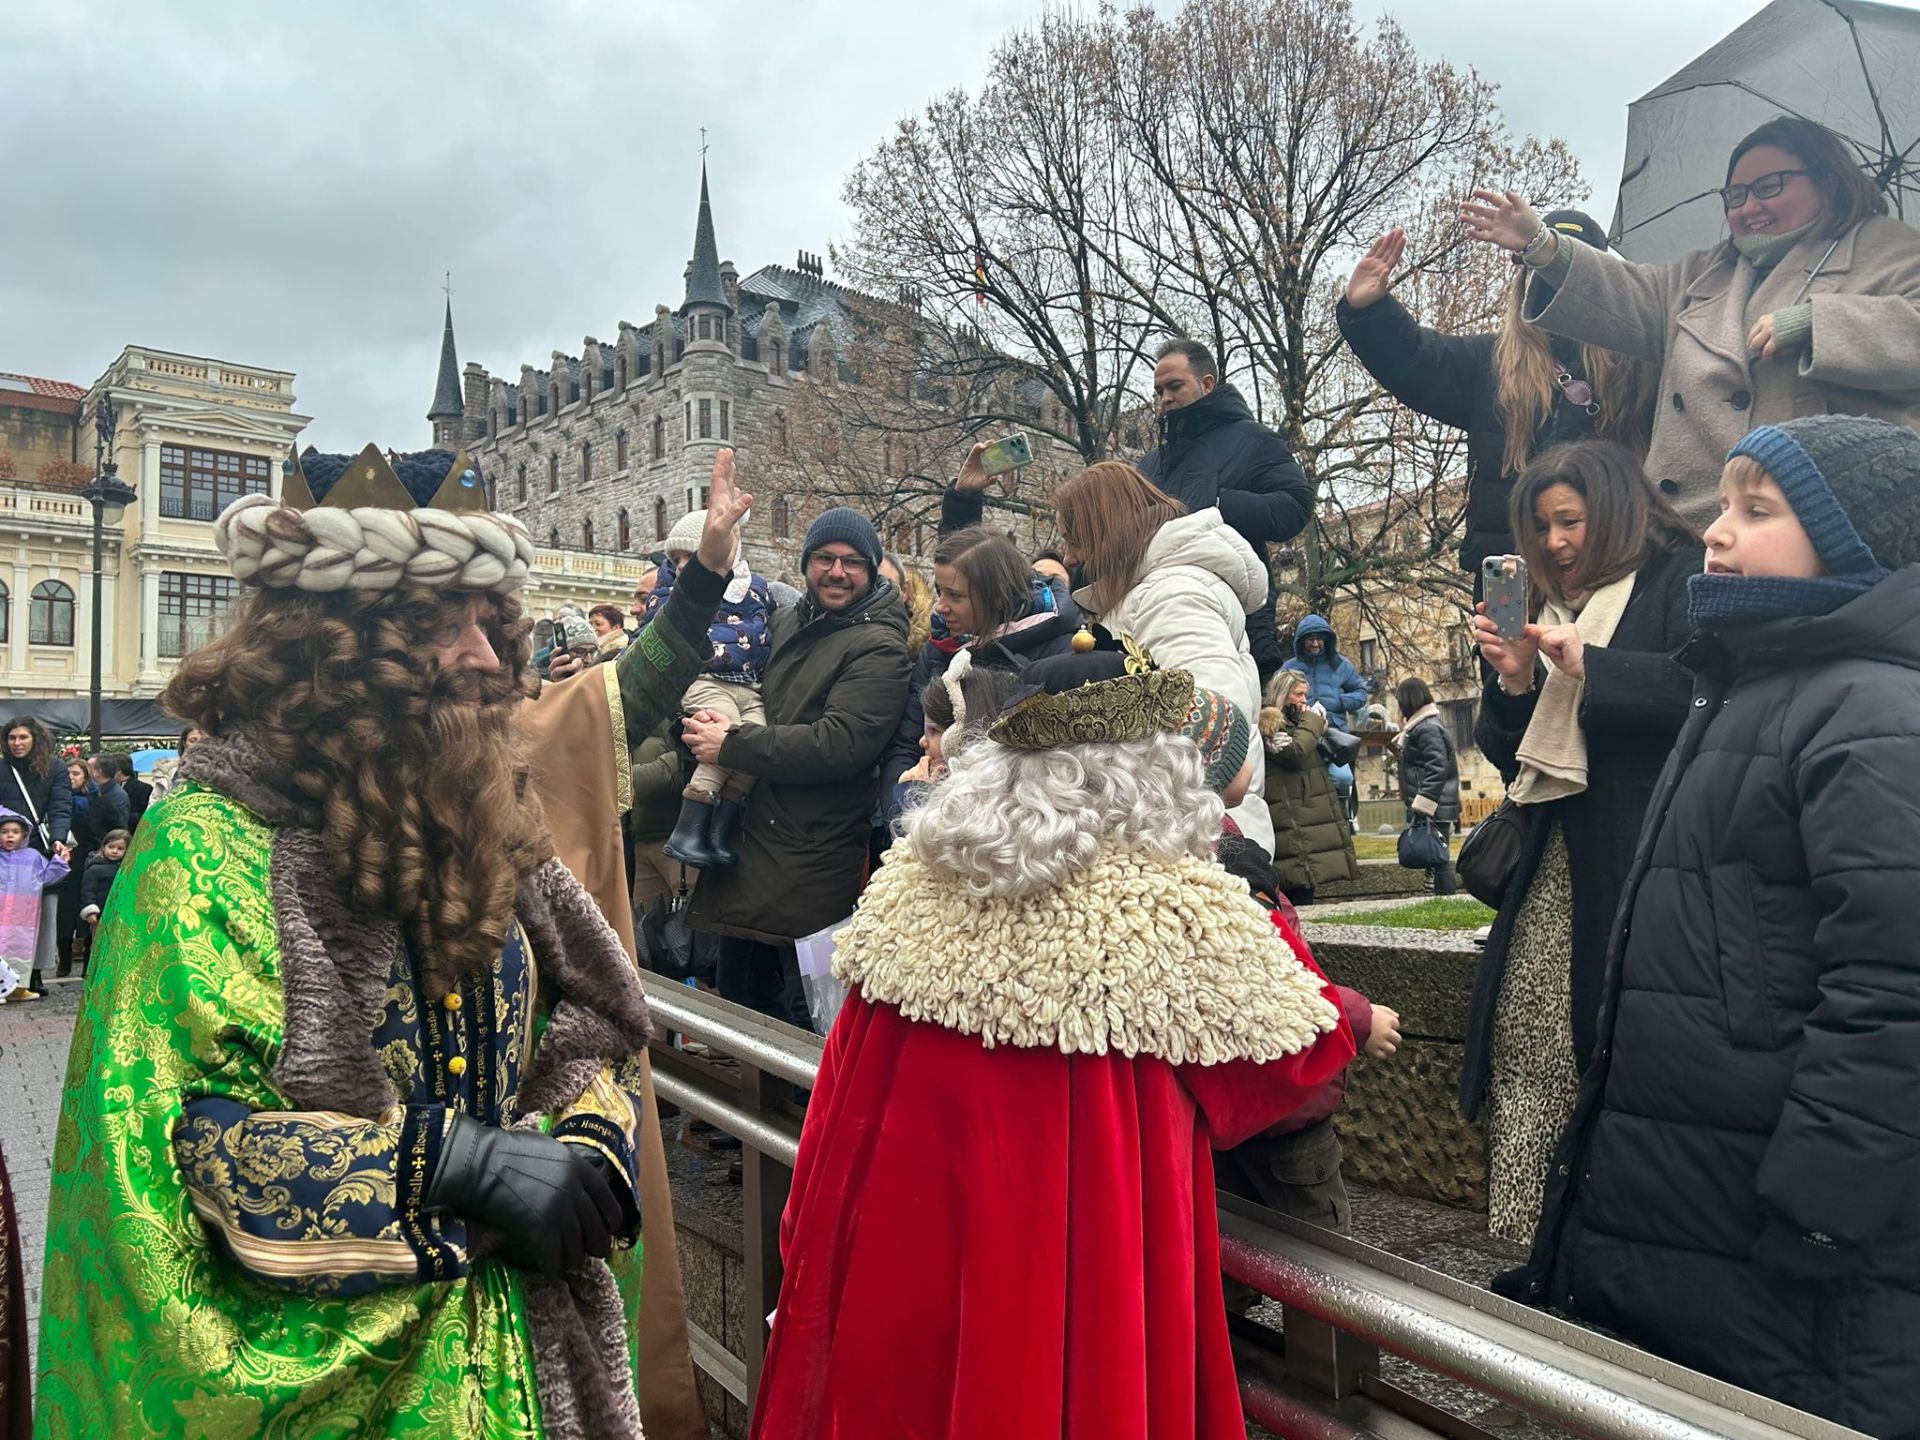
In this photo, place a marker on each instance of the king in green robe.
(247, 1236)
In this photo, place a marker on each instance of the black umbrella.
(1853, 66)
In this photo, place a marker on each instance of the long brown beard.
(427, 813)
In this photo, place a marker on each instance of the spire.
(703, 271)
(446, 393)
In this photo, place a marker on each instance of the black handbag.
(1491, 853)
(1422, 845)
(668, 947)
(1337, 747)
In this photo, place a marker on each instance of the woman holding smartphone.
(1578, 714)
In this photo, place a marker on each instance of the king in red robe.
(1002, 1220)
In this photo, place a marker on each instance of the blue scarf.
(1714, 601)
(1040, 601)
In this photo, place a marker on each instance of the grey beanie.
(848, 526)
(1854, 484)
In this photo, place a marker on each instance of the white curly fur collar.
(1139, 955)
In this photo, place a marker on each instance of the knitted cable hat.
(1854, 484)
(850, 527)
(685, 534)
(367, 522)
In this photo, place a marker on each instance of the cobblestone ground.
(33, 1065)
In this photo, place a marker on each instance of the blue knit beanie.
(848, 526)
(1854, 484)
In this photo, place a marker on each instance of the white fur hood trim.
(1139, 955)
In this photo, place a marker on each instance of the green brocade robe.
(151, 1324)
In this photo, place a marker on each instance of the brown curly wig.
(423, 791)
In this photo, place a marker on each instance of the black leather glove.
(628, 1229)
(551, 1207)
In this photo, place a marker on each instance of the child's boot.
(726, 822)
(690, 842)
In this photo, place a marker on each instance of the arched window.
(780, 432)
(50, 614)
(553, 395)
(660, 526)
(620, 371)
(520, 483)
(620, 449)
(626, 532)
(659, 438)
(586, 536)
(776, 357)
(553, 538)
(553, 474)
(586, 464)
(6, 613)
(782, 519)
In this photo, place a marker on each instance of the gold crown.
(369, 483)
(1136, 705)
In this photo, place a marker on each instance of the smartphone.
(1503, 589)
(1009, 454)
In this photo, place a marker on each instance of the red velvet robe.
(1012, 1244)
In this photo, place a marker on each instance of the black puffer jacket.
(1739, 1190)
(833, 690)
(1449, 378)
(48, 798)
(1214, 453)
(1428, 766)
(1631, 708)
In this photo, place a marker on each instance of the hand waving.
(1502, 217)
(726, 513)
(1376, 267)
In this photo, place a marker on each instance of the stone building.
(603, 450)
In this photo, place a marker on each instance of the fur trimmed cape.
(1002, 1219)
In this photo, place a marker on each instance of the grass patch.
(1387, 847)
(1449, 912)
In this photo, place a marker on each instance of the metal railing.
(1343, 1303)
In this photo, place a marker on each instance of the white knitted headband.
(372, 548)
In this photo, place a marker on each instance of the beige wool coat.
(1691, 317)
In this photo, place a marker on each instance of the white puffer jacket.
(1188, 606)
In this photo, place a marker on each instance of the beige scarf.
(1553, 753)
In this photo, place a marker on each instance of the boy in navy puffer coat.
(730, 685)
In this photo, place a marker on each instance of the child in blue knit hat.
(1739, 1190)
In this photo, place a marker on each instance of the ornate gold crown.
(369, 482)
(1136, 705)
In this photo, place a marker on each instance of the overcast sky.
(284, 184)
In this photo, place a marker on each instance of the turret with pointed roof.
(447, 411)
(703, 271)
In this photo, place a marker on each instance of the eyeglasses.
(851, 565)
(1763, 187)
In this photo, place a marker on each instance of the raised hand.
(1500, 217)
(726, 513)
(973, 475)
(1376, 267)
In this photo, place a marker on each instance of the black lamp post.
(106, 491)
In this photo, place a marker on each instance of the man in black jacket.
(1213, 452)
(833, 688)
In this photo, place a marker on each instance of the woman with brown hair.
(33, 783)
(988, 601)
(1180, 584)
(1516, 391)
(1810, 306)
(1578, 714)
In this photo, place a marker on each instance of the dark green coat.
(1312, 841)
(833, 690)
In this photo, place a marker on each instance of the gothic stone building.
(604, 450)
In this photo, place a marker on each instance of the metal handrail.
(1341, 1299)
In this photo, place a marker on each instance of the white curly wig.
(1016, 822)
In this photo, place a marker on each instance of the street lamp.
(105, 492)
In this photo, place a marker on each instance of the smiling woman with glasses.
(1811, 305)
